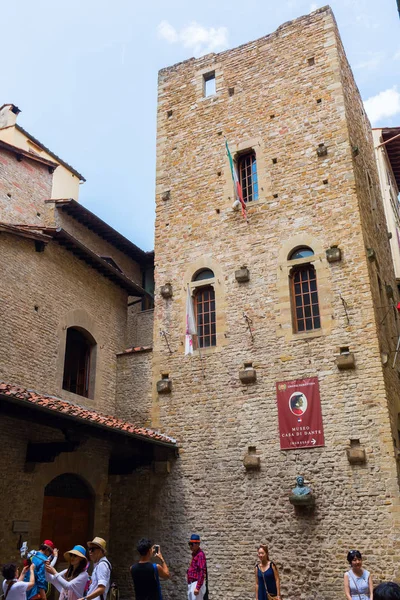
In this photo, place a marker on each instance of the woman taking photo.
(357, 581)
(268, 584)
(71, 582)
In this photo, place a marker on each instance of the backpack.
(113, 592)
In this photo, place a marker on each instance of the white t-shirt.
(100, 576)
(70, 590)
(17, 590)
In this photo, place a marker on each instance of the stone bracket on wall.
(45, 452)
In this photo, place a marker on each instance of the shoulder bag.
(4, 596)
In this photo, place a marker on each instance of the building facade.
(302, 288)
(66, 180)
(76, 328)
(387, 154)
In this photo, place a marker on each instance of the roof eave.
(24, 403)
(45, 149)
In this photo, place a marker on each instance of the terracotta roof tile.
(136, 349)
(82, 414)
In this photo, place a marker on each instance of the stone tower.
(303, 289)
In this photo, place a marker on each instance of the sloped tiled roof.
(83, 215)
(86, 254)
(80, 414)
(20, 152)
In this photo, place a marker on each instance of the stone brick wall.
(24, 185)
(375, 231)
(289, 92)
(22, 492)
(43, 294)
(133, 400)
(140, 326)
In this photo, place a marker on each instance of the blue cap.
(195, 538)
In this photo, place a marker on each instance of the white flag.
(190, 324)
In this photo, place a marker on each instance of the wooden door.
(66, 521)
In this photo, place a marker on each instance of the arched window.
(247, 169)
(304, 292)
(204, 307)
(77, 363)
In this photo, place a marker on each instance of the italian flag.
(236, 182)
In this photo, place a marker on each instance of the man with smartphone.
(197, 571)
(146, 574)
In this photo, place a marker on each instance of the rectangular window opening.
(209, 84)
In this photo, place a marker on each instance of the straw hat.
(78, 551)
(99, 542)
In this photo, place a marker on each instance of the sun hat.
(49, 544)
(77, 550)
(99, 542)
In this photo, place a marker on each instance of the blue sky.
(84, 74)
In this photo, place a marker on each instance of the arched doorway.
(67, 517)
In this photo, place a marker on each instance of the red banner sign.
(299, 414)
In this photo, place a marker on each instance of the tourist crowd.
(75, 583)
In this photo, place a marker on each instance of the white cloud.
(195, 37)
(313, 6)
(397, 55)
(383, 105)
(167, 32)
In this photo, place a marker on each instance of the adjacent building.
(76, 330)
(66, 180)
(387, 153)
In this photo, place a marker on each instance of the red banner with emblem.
(299, 414)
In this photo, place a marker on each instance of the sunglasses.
(93, 549)
(193, 543)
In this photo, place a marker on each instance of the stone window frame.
(88, 345)
(79, 319)
(238, 149)
(241, 158)
(284, 304)
(201, 74)
(217, 283)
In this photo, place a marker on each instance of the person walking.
(268, 583)
(357, 581)
(101, 573)
(14, 586)
(197, 571)
(71, 582)
(146, 574)
(39, 559)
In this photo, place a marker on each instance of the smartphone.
(156, 549)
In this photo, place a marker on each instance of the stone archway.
(68, 508)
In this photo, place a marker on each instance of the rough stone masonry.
(281, 96)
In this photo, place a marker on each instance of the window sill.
(204, 351)
(307, 334)
(76, 398)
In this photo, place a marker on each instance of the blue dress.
(269, 578)
(359, 586)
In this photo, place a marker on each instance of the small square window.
(209, 84)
